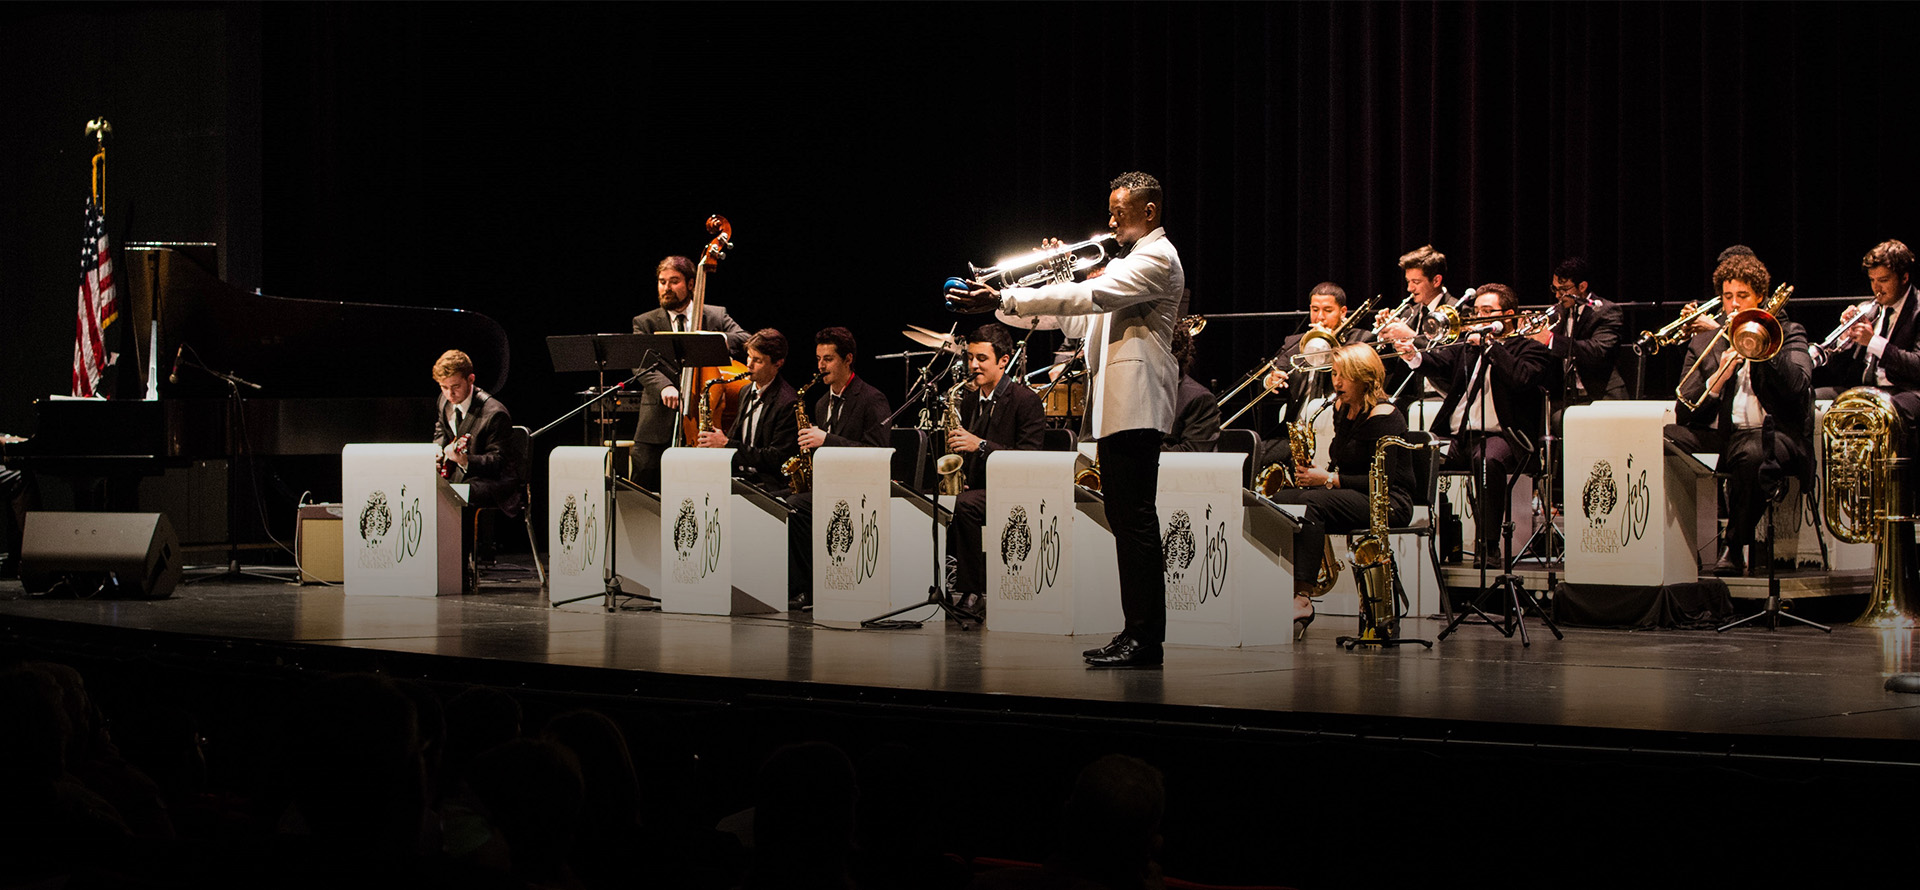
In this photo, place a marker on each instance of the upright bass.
(698, 400)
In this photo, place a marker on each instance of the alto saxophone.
(1275, 477)
(799, 468)
(1373, 555)
(706, 397)
(950, 465)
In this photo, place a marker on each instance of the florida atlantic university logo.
(686, 529)
(1597, 500)
(1178, 546)
(386, 539)
(1016, 540)
(1031, 561)
(848, 564)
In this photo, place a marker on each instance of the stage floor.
(1750, 689)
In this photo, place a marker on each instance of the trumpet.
(1836, 341)
(1754, 334)
(1046, 266)
(1675, 332)
(1380, 325)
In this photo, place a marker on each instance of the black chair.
(1245, 442)
(519, 450)
(1053, 439)
(912, 465)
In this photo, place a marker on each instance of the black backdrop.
(532, 162)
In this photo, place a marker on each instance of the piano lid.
(298, 348)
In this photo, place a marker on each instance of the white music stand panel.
(760, 548)
(1028, 536)
(1200, 537)
(577, 527)
(636, 542)
(852, 534)
(1632, 517)
(696, 494)
(402, 534)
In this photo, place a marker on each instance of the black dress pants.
(1502, 461)
(964, 544)
(1130, 481)
(1749, 459)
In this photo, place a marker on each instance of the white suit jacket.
(1127, 317)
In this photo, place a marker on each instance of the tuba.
(1373, 554)
(799, 468)
(1860, 441)
(951, 465)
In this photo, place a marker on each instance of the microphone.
(174, 375)
(1493, 328)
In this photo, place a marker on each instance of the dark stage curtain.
(552, 154)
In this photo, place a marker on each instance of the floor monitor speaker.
(123, 555)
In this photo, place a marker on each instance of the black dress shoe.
(800, 603)
(1128, 653)
(1107, 649)
(1731, 564)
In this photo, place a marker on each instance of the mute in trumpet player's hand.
(971, 297)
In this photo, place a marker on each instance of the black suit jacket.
(496, 468)
(1901, 359)
(1783, 384)
(1015, 424)
(656, 419)
(863, 415)
(777, 435)
(1594, 350)
(1196, 419)
(1519, 372)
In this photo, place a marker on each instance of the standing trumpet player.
(1127, 317)
(999, 414)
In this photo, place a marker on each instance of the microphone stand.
(242, 450)
(611, 575)
(1511, 585)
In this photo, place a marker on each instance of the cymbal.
(1024, 323)
(933, 339)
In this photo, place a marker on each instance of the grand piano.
(328, 373)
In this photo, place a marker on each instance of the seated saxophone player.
(1757, 415)
(1493, 407)
(1327, 312)
(765, 432)
(1337, 497)
(997, 414)
(1892, 355)
(848, 412)
(1196, 413)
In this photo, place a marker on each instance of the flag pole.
(99, 129)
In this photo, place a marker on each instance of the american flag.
(98, 308)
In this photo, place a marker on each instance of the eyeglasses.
(1562, 290)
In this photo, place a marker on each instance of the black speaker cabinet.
(128, 555)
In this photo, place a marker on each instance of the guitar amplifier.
(318, 544)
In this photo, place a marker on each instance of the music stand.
(595, 352)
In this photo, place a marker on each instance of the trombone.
(1753, 334)
(1316, 353)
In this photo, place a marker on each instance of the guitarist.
(660, 395)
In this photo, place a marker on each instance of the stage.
(1752, 688)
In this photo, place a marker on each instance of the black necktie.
(458, 418)
(833, 412)
(679, 323)
(752, 404)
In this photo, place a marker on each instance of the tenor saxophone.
(951, 465)
(799, 468)
(1373, 555)
(706, 397)
(1275, 477)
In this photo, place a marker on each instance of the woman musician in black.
(1337, 497)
